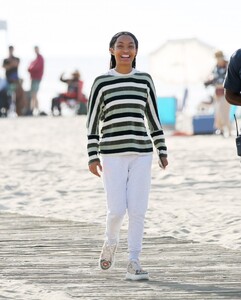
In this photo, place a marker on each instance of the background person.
(221, 107)
(74, 92)
(36, 70)
(232, 83)
(10, 64)
(14, 84)
(4, 98)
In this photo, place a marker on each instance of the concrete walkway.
(53, 259)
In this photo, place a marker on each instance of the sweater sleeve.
(94, 113)
(155, 127)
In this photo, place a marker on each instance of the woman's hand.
(163, 162)
(95, 167)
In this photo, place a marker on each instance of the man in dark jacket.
(232, 83)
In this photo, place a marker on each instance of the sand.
(44, 172)
(194, 213)
(48, 259)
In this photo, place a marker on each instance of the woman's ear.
(111, 51)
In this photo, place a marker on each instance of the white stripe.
(93, 141)
(153, 112)
(93, 113)
(125, 137)
(157, 138)
(127, 153)
(124, 84)
(126, 101)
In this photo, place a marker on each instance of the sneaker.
(135, 271)
(107, 256)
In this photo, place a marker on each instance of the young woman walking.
(119, 102)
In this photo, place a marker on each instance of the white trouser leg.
(127, 184)
(115, 172)
(138, 188)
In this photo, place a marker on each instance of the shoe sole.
(134, 277)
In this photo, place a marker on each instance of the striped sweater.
(121, 104)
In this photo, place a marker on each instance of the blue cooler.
(203, 124)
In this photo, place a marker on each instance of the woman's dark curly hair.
(112, 43)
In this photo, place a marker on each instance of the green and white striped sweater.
(119, 103)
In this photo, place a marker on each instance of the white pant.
(127, 180)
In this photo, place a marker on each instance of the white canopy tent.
(180, 67)
(182, 61)
(3, 35)
(3, 39)
(3, 25)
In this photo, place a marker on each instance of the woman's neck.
(123, 69)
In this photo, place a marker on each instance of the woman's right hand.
(95, 167)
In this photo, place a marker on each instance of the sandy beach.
(44, 173)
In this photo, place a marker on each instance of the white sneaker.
(135, 271)
(107, 256)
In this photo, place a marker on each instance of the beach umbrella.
(182, 62)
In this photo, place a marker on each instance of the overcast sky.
(84, 27)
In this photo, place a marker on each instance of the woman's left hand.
(163, 162)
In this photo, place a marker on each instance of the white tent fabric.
(182, 61)
(3, 25)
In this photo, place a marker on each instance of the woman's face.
(124, 50)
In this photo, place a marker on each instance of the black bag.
(238, 138)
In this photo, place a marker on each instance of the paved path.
(51, 259)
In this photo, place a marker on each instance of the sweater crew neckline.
(115, 73)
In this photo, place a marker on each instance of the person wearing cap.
(74, 91)
(221, 107)
(232, 83)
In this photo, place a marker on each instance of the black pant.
(4, 103)
(56, 103)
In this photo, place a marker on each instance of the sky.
(76, 33)
(85, 27)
